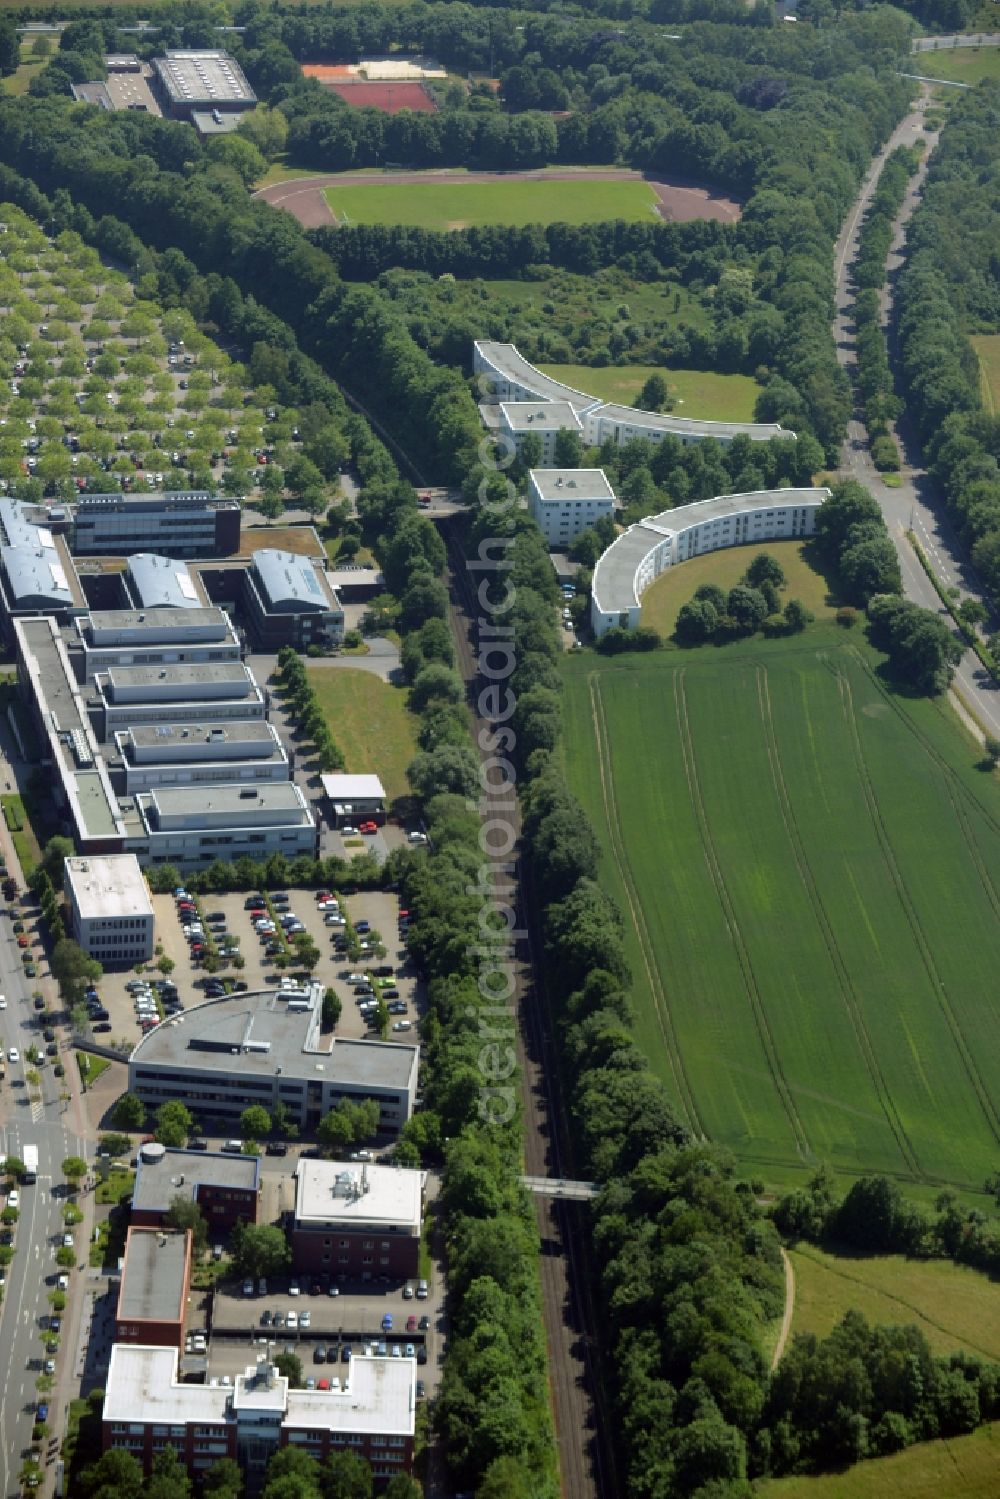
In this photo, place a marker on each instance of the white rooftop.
(142, 1387)
(346, 788)
(108, 885)
(358, 1196)
(571, 484)
(540, 416)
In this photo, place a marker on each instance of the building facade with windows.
(566, 501)
(110, 638)
(111, 911)
(289, 601)
(637, 557)
(181, 523)
(188, 754)
(191, 826)
(358, 1221)
(546, 419)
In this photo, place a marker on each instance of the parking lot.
(259, 970)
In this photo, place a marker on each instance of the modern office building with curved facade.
(648, 548)
(509, 380)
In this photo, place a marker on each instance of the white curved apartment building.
(645, 550)
(511, 382)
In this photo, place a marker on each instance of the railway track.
(576, 1389)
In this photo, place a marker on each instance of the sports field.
(954, 1306)
(960, 64)
(961, 1468)
(987, 347)
(809, 872)
(697, 393)
(459, 205)
(663, 599)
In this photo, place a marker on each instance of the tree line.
(874, 377)
(951, 285)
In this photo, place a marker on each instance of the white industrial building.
(566, 501)
(269, 1047)
(151, 637)
(546, 419)
(646, 549)
(37, 575)
(111, 912)
(153, 582)
(183, 754)
(507, 377)
(193, 825)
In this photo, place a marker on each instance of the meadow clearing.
(697, 393)
(435, 204)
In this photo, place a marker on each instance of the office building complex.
(225, 1186)
(154, 1286)
(289, 601)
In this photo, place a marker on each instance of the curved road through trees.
(916, 505)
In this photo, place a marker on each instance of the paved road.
(960, 39)
(916, 505)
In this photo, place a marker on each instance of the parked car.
(319, 1354)
(362, 926)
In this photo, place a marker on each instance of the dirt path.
(786, 1321)
(680, 201)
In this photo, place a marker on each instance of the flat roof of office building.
(152, 620)
(163, 1174)
(377, 1395)
(157, 499)
(153, 1282)
(292, 584)
(247, 731)
(540, 416)
(271, 796)
(108, 885)
(239, 676)
(204, 77)
(154, 581)
(259, 1033)
(571, 483)
(361, 1196)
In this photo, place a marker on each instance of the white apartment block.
(566, 501)
(546, 419)
(646, 549)
(111, 913)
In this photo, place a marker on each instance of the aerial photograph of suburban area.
(499, 749)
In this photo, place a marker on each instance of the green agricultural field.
(960, 64)
(954, 1306)
(809, 873)
(987, 347)
(459, 205)
(663, 599)
(961, 1468)
(368, 719)
(697, 393)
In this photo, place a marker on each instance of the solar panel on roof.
(186, 585)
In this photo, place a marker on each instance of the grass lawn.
(962, 1468)
(808, 868)
(697, 393)
(954, 1306)
(299, 539)
(459, 205)
(369, 720)
(987, 347)
(117, 1188)
(91, 1066)
(663, 599)
(960, 64)
(29, 68)
(22, 835)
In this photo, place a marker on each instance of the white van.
(233, 1147)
